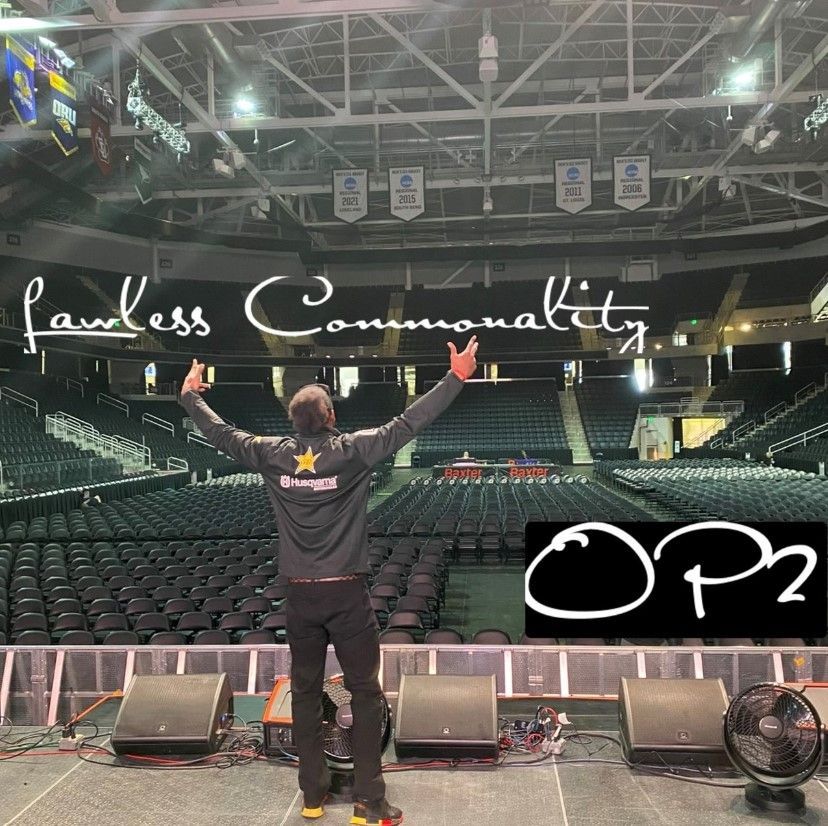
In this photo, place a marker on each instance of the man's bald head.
(310, 409)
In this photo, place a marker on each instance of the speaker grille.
(671, 715)
(447, 716)
(170, 709)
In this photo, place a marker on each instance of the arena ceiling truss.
(380, 83)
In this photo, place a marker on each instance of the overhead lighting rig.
(143, 113)
(815, 122)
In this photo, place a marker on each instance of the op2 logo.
(674, 579)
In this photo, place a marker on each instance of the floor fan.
(773, 735)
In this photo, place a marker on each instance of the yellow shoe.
(315, 812)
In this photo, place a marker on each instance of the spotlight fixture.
(750, 135)
(766, 143)
(223, 169)
(63, 58)
(245, 103)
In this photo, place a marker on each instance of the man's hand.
(193, 381)
(464, 364)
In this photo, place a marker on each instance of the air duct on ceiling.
(763, 14)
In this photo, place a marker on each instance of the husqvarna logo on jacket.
(321, 483)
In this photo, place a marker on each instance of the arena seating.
(204, 558)
(673, 297)
(255, 409)
(760, 390)
(35, 460)
(353, 304)
(286, 310)
(494, 421)
(810, 414)
(63, 292)
(509, 300)
(782, 282)
(370, 405)
(53, 397)
(222, 305)
(609, 408)
(486, 521)
(697, 489)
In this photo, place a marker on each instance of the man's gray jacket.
(319, 483)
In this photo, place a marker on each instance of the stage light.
(144, 113)
(744, 80)
(223, 169)
(244, 106)
(659, 346)
(745, 327)
(10, 25)
(766, 144)
(750, 135)
(694, 321)
(818, 118)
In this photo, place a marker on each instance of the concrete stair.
(574, 427)
(404, 454)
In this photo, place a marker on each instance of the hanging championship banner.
(573, 185)
(406, 192)
(64, 113)
(631, 175)
(20, 68)
(350, 194)
(101, 108)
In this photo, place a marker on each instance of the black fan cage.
(338, 742)
(787, 759)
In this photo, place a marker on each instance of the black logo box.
(608, 574)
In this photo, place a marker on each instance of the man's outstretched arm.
(245, 448)
(379, 443)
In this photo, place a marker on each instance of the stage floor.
(58, 789)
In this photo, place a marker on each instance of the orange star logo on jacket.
(306, 461)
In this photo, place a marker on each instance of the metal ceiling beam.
(346, 62)
(546, 54)
(455, 154)
(780, 94)
(425, 60)
(510, 216)
(320, 140)
(12, 133)
(630, 50)
(786, 192)
(714, 30)
(279, 66)
(154, 65)
(462, 179)
(544, 129)
(260, 11)
(648, 131)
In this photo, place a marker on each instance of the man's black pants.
(340, 613)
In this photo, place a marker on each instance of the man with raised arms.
(318, 482)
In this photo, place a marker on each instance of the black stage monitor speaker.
(441, 717)
(672, 721)
(173, 714)
(817, 693)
